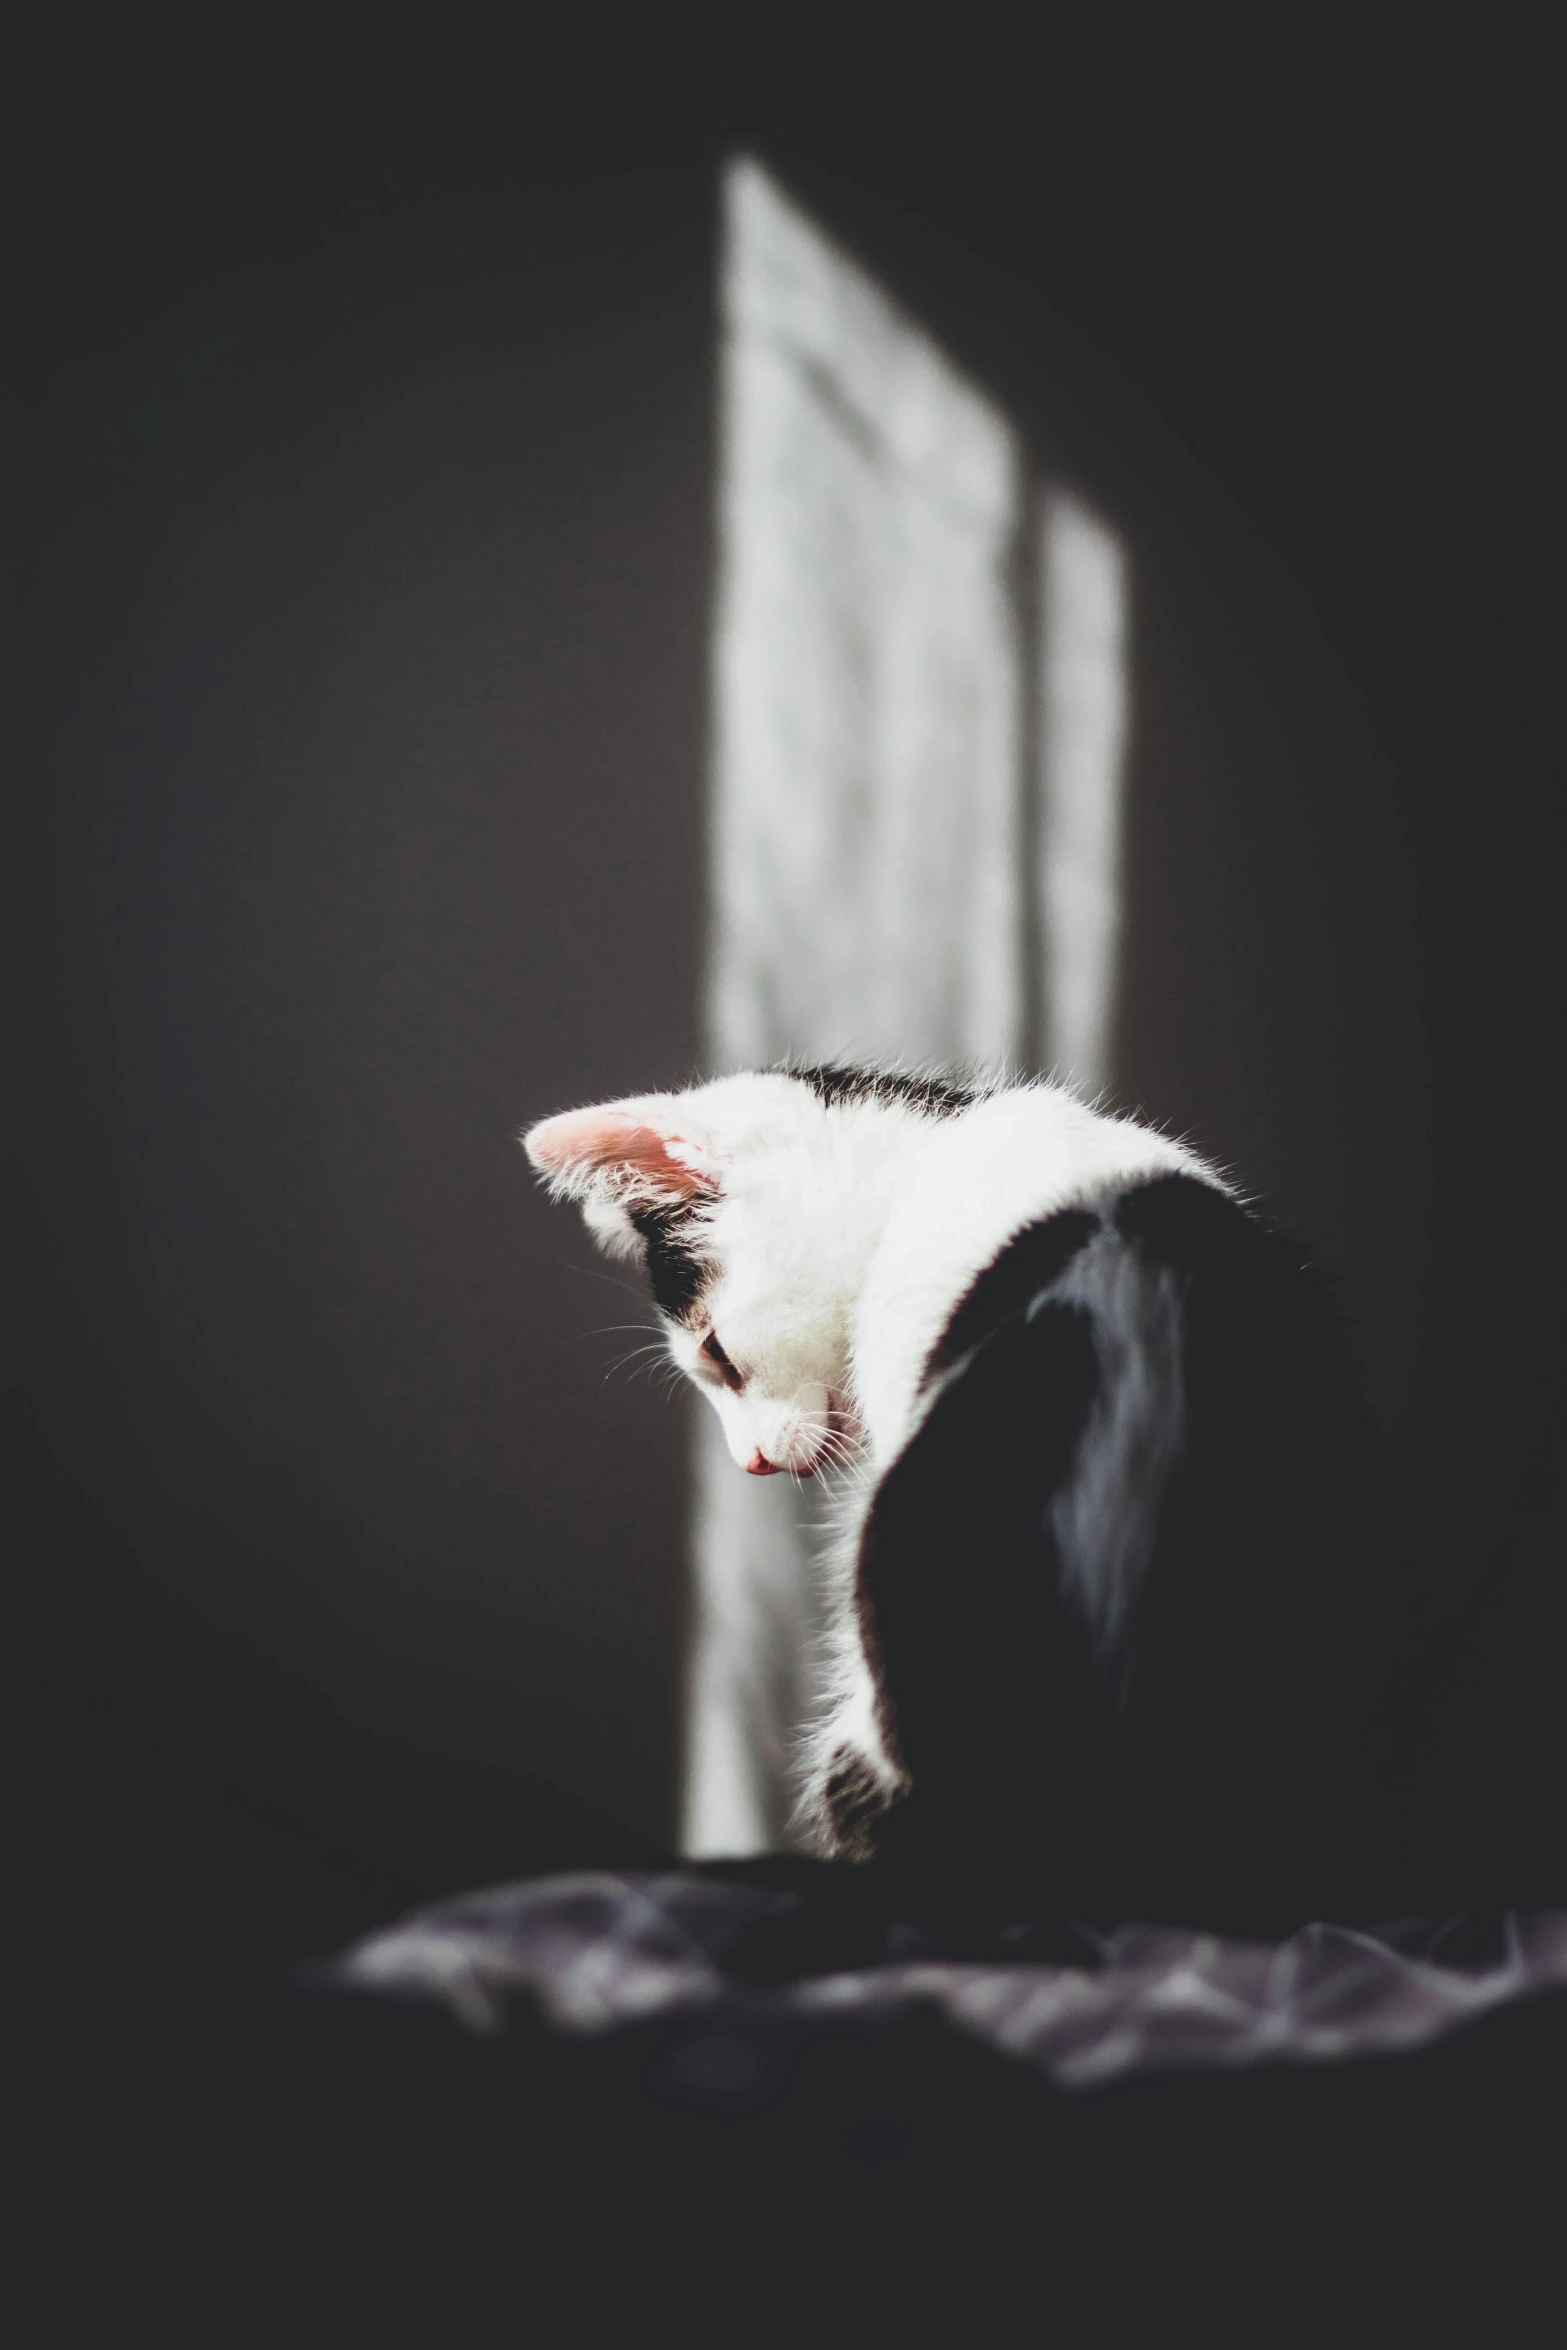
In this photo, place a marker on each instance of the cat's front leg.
(851, 1776)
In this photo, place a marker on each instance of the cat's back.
(1010, 1160)
(1120, 1578)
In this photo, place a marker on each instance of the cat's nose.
(760, 1466)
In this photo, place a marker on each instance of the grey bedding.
(594, 1951)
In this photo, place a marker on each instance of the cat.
(1108, 1578)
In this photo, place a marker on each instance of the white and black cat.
(1107, 1586)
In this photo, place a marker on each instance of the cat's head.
(754, 1204)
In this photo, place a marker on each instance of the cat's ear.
(621, 1156)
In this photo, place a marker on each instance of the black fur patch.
(986, 1681)
(676, 1273)
(1029, 1263)
(1264, 1276)
(1214, 1768)
(832, 1083)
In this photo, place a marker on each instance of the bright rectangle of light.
(871, 874)
(1083, 724)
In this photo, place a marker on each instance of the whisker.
(638, 1355)
(595, 1273)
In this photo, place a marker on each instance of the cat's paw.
(842, 1812)
(855, 1800)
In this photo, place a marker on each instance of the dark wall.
(364, 483)
(370, 601)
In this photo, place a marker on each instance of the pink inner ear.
(619, 1144)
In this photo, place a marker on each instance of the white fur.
(980, 1177)
(840, 1240)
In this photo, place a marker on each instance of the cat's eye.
(720, 1361)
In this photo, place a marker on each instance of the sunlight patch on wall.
(903, 634)
(868, 709)
(1083, 714)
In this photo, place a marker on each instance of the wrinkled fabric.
(593, 1951)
